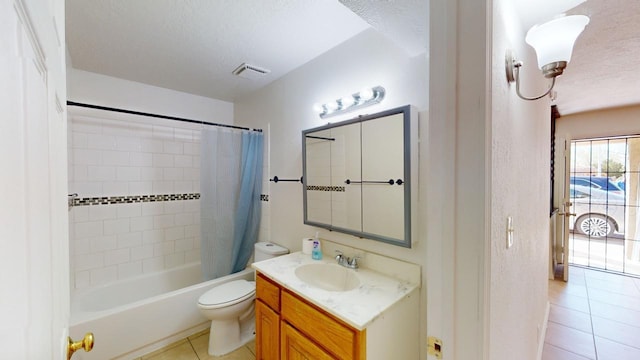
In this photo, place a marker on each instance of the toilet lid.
(228, 292)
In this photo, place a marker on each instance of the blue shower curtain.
(230, 186)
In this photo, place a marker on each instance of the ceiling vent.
(248, 71)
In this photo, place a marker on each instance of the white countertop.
(358, 307)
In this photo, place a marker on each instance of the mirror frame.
(406, 111)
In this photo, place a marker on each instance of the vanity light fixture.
(363, 98)
(553, 42)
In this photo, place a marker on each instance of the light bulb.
(347, 101)
(331, 106)
(366, 94)
(318, 108)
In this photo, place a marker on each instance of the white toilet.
(230, 307)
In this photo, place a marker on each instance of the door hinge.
(434, 347)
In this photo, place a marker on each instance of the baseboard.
(543, 332)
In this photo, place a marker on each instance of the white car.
(599, 213)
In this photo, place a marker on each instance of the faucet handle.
(339, 256)
(353, 262)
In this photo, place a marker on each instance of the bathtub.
(134, 317)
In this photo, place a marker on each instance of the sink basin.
(329, 277)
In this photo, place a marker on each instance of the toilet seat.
(227, 294)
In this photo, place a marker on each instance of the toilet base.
(226, 336)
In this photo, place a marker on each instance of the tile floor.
(195, 348)
(596, 315)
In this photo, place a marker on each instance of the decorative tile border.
(109, 200)
(325, 188)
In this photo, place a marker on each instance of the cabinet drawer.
(268, 292)
(337, 338)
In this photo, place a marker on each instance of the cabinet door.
(296, 346)
(267, 332)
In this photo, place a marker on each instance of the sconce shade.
(554, 40)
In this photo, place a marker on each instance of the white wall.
(287, 106)
(520, 136)
(97, 89)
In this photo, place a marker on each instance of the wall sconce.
(553, 42)
(363, 98)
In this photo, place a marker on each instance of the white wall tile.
(163, 187)
(172, 147)
(129, 240)
(118, 256)
(184, 219)
(183, 161)
(128, 210)
(152, 236)
(191, 148)
(115, 188)
(80, 172)
(89, 261)
(87, 125)
(191, 230)
(140, 187)
(163, 160)
(101, 141)
(140, 159)
(141, 223)
(174, 233)
(191, 173)
(86, 157)
(150, 174)
(88, 229)
(80, 246)
(130, 269)
(101, 173)
(163, 221)
(162, 132)
(184, 135)
(174, 207)
(102, 243)
(152, 208)
(115, 158)
(126, 173)
(102, 212)
(104, 275)
(119, 226)
(151, 145)
(164, 248)
(126, 143)
(142, 252)
(79, 140)
(191, 205)
(82, 279)
(153, 264)
(184, 244)
(86, 188)
(172, 174)
(192, 256)
(80, 214)
(173, 260)
(183, 187)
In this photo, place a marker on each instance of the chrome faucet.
(351, 263)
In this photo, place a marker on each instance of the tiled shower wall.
(116, 158)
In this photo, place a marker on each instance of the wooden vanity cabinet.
(303, 331)
(267, 319)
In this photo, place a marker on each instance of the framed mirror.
(357, 176)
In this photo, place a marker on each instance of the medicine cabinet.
(357, 176)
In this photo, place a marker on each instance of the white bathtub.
(133, 317)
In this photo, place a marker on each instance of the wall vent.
(248, 71)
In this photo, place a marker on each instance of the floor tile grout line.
(193, 348)
(569, 351)
(593, 331)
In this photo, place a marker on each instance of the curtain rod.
(98, 107)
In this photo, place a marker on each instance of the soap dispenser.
(316, 253)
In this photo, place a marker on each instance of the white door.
(562, 252)
(34, 275)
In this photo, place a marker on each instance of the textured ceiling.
(194, 45)
(605, 66)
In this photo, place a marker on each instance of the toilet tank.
(267, 250)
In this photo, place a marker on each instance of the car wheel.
(595, 226)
